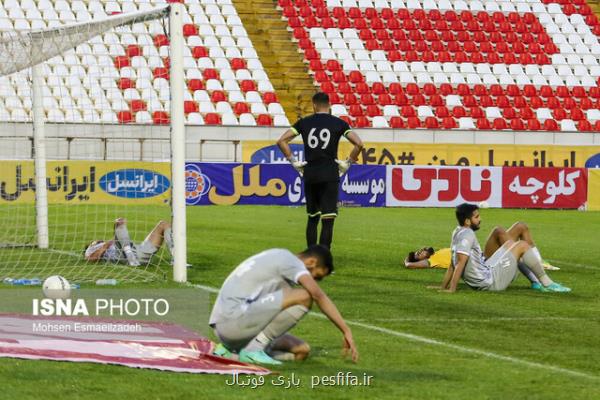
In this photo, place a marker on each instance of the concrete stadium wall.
(219, 143)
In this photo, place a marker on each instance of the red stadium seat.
(559, 114)
(356, 77)
(122, 61)
(367, 99)
(161, 40)
(442, 112)
(459, 112)
(212, 119)
(321, 76)
(350, 99)
(396, 122)
(384, 99)
(373, 111)
(449, 123)
(125, 117)
(199, 52)
(137, 105)
(476, 112)
(264, 120)
(333, 65)
(378, 88)
(238, 63)
(418, 100)
(517, 124)
(190, 106)
(408, 111)
(195, 84)
(269, 97)
(190, 30)
(413, 122)
(533, 124)
(362, 88)
(499, 124)
(160, 118)
(483, 123)
(577, 114)
(210, 73)
(355, 110)
(217, 96)
(133, 50)
(248, 85)
(584, 126)
(338, 76)
(362, 122)
(550, 125)
(125, 83)
(431, 123)
(241, 108)
(401, 100)
(160, 72)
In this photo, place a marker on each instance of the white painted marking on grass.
(492, 319)
(422, 339)
(570, 264)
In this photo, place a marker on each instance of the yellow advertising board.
(593, 190)
(441, 154)
(91, 182)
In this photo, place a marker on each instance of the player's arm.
(416, 264)
(358, 145)
(331, 311)
(283, 143)
(456, 273)
(97, 255)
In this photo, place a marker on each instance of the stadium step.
(279, 55)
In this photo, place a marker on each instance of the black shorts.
(321, 198)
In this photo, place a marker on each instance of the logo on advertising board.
(134, 183)
(272, 154)
(593, 162)
(443, 186)
(196, 184)
(544, 187)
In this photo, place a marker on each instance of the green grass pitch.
(415, 342)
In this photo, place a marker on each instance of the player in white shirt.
(496, 272)
(258, 304)
(122, 249)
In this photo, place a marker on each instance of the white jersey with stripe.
(259, 275)
(477, 273)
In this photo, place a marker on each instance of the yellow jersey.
(441, 258)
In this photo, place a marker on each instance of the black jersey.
(321, 133)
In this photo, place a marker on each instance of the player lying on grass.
(501, 268)
(257, 306)
(122, 249)
(427, 257)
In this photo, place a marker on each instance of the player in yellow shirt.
(427, 257)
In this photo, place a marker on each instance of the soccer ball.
(484, 204)
(56, 287)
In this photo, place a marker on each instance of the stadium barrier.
(514, 155)
(394, 186)
(109, 182)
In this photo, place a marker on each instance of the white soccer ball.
(56, 287)
(484, 204)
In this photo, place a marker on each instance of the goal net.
(85, 91)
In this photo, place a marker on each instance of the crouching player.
(257, 306)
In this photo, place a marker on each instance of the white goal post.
(30, 49)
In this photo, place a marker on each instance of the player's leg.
(288, 348)
(498, 236)
(531, 258)
(328, 199)
(124, 241)
(295, 304)
(520, 231)
(161, 232)
(314, 214)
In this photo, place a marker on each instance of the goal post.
(48, 239)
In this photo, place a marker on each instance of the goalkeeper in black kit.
(321, 170)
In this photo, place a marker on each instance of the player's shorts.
(144, 251)
(236, 333)
(321, 198)
(504, 268)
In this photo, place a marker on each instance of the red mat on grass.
(139, 344)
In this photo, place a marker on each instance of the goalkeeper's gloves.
(343, 166)
(298, 165)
